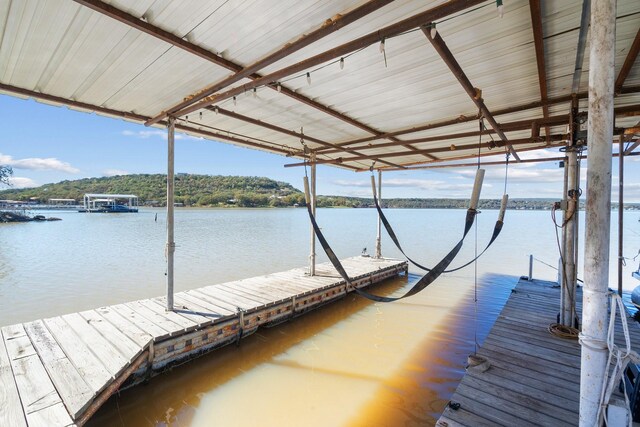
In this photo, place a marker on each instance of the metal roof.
(113, 196)
(139, 59)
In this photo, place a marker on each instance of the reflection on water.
(352, 363)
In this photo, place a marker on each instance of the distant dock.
(59, 371)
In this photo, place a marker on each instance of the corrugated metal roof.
(67, 53)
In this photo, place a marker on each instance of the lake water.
(352, 363)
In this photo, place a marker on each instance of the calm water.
(351, 363)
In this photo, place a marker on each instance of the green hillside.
(192, 190)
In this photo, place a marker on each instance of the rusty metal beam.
(485, 145)
(628, 63)
(506, 127)
(249, 71)
(139, 118)
(538, 42)
(330, 26)
(400, 27)
(582, 44)
(492, 163)
(464, 119)
(446, 55)
(273, 127)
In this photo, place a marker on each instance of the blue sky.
(45, 144)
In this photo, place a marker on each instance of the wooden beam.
(464, 118)
(140, 118)
(485, 145)
(506, 127)
(628, 63)
(538, 42)
(330, 26)
(400, 27)
(273, 127)
(446, 55)
(582, 44)
(249, 71)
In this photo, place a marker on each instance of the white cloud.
(115, 172)
(22, 182)
(149, 133)
(38, 163)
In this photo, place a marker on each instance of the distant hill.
(192, 190)
(243, 191)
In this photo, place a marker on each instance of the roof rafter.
(506, 127)
(464, 119)
(487, 145)
(538, 42)
(250, 70)
(329, 27)
(407, 24)
(276, 128)
(440, 46)
(628, 63)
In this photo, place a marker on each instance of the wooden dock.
(59, 371)
(534, 379)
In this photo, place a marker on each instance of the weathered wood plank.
(137, 335)
(159, 308)
(11, 413)
(129, 349)
(88, 365)
(155, 318)
(190, 316)
(209, 307)
(156, 331)
(109, 355)
(54, 415)
(74, 391)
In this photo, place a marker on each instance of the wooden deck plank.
(191, 316)
(73, 389)
(118, 339)
(11, 413)
(534, 375)
(158, 319)
(136, 334)
(195, 293)
(159, 307)
(148, 326)
(209, 307)
(83, 359)
(109, 355)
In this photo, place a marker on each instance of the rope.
(561, 331)
(618, 357)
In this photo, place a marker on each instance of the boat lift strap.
(496, 231)
(425, 281)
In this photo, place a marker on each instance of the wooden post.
(620, 212)
(312, 256)
(379, 236)
(171, 245)
(595, 318)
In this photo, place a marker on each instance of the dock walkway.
(59, 371)
(534, 379)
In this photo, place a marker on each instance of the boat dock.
(534, 378)
(59, 371)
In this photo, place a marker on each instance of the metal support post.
(598, 210)
(568, 312)
(530, 267)
(171, 245)
(312, 255)
(379, 236)
(620, 212)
